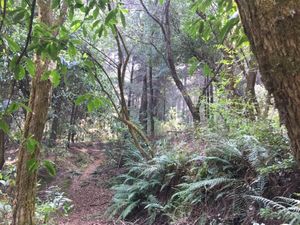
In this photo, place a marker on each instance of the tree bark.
(250, 91)
(24, 207)
(143, 115)
(72, 133)
(130, 101)
(274, 33)
(167, 33)
(24, 202)
(57, 106)
(2, 148)
(171, 63)
(151, 101)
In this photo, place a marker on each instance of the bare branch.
(155, 19)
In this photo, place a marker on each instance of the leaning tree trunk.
(273, 28)
(24, 202)
(171, 63)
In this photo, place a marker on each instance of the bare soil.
(88, 188)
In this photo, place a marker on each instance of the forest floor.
(84, 176)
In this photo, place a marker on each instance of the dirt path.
(89, 190)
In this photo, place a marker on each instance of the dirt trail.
(89, 191)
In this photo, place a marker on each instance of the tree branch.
(155, 19)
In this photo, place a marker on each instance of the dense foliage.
(196, 105)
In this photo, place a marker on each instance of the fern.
(286, 208)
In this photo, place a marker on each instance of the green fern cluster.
(147, 186)
(175, 182)
(287, 209)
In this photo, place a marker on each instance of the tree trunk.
(151, 101)
(2, 148)
(250, 91)
(57, 105)
(274, 33)
(24, 202)
(3, 141)
(72, 132)
(130, 101)
(24, 207)
(171, 63)
(143, 115)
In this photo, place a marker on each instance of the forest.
(149, 112)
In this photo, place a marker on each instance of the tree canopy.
(149, 112)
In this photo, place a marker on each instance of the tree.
(143, 114)
(170, 58)
(29, 150)
(273, 30)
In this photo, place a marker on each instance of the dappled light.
(149, 112)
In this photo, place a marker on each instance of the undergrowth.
(227, 183)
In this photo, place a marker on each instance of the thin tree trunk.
(267, 107)
(207, 91)
(273, 30)
(143, 116)
(166, 30)
(130, 101)
(3, 141)
(151, 101)
(72, 132)
(171, 62)
(2, 148)
(57, 105)
(250, 90)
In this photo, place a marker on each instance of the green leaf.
(32, 165)
(95, 103)
(96, 13)
(84, 31)
(100, 31)
(96, 23)
(19, 15)
(123, 19)
(242, 40)
(54, 78)
(71, 50)
(50, 166)
(13, 107)
(111, 16)
(82, 99)
(14, 47)
(25, 107)
(45, 75)
(207, 70)
(31, 144)
(30, 66)
(76, 25)
(71, 13)
(19, 72)
(201, 26)
(4, 126)
(52, 50)
(227, 27)
(194, 63)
